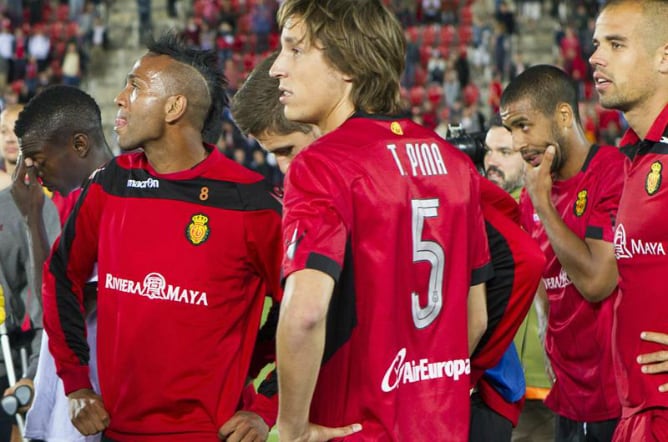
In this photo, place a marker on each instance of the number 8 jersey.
(392, 213)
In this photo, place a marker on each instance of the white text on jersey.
(408, 372)
(149, 183)
(155, 286)
(423, 159)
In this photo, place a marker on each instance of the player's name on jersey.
(418, 159)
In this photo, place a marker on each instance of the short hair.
(360, 38)
(205, 62)
(57, 112)
(495, 121)
(545, 86)
(654, 12)
(256, 107)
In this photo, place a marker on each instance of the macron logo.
(149, 183)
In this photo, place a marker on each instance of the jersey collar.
(655, 132)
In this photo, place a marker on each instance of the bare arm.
(477, 315)
(29, 199)
(589, 263)
(300, 343)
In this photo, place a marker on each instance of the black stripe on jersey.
(590, 155)
(73, 326)
(482, 274)
(594, 232)
(659, 148)
(201, 191)
(342, 312)
(269, 387)
(499, 287)
(320, 262)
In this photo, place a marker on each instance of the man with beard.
(503, 166)
(569, 207)
(631, 75)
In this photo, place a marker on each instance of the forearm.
(477, 315)
(594, 277)
(299, 353)
(39, 250)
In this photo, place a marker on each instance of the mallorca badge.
(581, 203)
(197, 231)
(654, 178)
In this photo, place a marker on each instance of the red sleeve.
(495, 401)
(479, 245)
(604, 211)
(518, 266)
(495, 196)
(313, 228)
(70, 265)
(263, 402)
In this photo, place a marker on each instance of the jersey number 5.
(433, 253)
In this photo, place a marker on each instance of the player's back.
(403, 221)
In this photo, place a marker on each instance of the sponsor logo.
(396, 129)
(638, 246)
(408, 372)
(654, 178)
(557, 282)
(580, 203)
(149, 183)
(154, 286)
(197, 231)
(294, 242)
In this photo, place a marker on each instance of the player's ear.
(80, 144)
(175, 107)
(663, 64)
(565, 115)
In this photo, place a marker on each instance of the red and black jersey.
(578, 338)
(184, 262)
(392, 213)
(641, 244)
(518, 264)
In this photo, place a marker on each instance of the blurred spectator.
(19, 55)
(72, 65)
(436, 66)
(518, 65)
(39, 47)
(6, 52)
(431, 11)
(262, 21)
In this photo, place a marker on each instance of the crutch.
(11, 375)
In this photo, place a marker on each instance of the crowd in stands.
(45, 42)
(456, 65)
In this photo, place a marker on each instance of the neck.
(174, 160)
(641, 118)
(336, 117)
(10, 168)
(577, 148)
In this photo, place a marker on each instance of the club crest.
(197, 231)
(580, 203)
(396, 129)
(654, 178)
